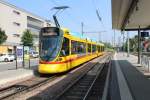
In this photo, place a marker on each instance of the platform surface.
(11, 77)
(128, 81)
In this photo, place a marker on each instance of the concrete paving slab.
(125, 93)
(133, 85)
(11, 77)
(133, 60)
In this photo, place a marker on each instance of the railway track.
(88, 87)
(22, 87)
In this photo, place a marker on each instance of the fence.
(145, 62)
(22, 55)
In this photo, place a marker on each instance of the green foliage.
(133, 44)
(108, 45)
(3, 36)
(27, 38)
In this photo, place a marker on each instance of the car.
(34, 54)
(7, 57)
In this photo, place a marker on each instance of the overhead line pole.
(139, 43)
(99, 32)
(82, 24)
(128, 44)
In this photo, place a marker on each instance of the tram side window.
(98, 48)
(77, 47)
(74, 47)
(93, 48)
(102, 48)
(65, 47)
(81, 47)
(89, 48)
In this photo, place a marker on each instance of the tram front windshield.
(50, 44)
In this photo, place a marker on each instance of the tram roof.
(84, 37)
(130, 14)
(81, 37)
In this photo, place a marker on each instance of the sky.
(79, 11)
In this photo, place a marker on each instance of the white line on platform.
(125, 93)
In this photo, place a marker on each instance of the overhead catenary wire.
(54, 2)
(98, 13)
(77, 21)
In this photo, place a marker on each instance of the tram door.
(65, 51)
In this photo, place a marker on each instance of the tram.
(61, 51)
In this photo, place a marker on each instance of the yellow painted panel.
(3, 49)
(52, 68)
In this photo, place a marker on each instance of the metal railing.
(145, 62)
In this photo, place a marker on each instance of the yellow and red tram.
(61, 51)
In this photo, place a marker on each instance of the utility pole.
(98, 32)
(114, 39)
(139, 45)
(99, 37)
(119, 43)
(123, 44)
(82, 24)
(128, 44)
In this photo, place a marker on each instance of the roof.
(130, 14)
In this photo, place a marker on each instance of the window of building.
(17, 24)
(93, 48)
(65, 47)
(78, 47)
(89, 48)
(16, 12)
(16, 35)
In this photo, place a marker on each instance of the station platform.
(127, 81)
(10, 77)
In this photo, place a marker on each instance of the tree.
(3, 36)
(27, 38)
(108, 45)
(133, 44)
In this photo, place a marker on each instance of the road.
(12, 65)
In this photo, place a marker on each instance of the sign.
(19, 53)
(144, 34)
(26, 53)
(49, 31)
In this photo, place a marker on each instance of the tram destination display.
(50, 32)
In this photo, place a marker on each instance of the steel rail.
(77, 80)
(97, 75)
(28, 88)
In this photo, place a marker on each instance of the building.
(14, 21)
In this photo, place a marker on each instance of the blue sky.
(79, 11)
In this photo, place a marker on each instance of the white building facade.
(14, 21)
